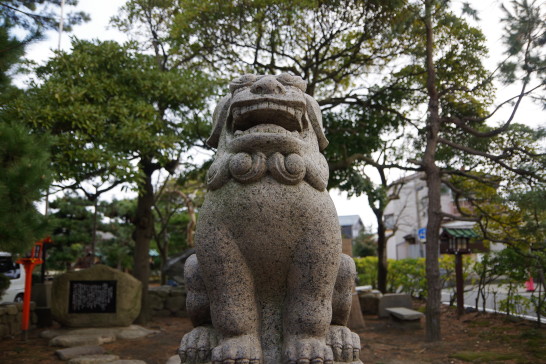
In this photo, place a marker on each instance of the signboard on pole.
(422, 233)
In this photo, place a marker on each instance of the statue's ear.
(219, 119)
(315, 117)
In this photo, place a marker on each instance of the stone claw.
(344, 343)
(307, 351)
(238, 350)
(196, 346)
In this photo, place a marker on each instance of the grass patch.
(534, 342)
(483, 356)
(479, 323)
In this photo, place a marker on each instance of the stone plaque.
(92, 297)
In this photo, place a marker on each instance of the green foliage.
(24, 163)
(524, 36)
(366, 269)
(24, 21)
(407, 276)
(71, 225)
(118, 252)
(404, 275)
(365, 245)
(109, 105)
(35, 17)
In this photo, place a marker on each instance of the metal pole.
(459, 283)
(61, 25)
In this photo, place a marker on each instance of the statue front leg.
(344, 343)
(308, 308)
(233, 308)
(196, 346)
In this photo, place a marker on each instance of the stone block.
(4, 330)
(161, 291)
(405, 314)
(178, 291)
(394, 300)
(85, 307)
(3, 310)
(369, 303)
(181, 313)
(175, 303)
(161, 313)
(156, 302)
(11, 309)
(94, 359)
(77, 351)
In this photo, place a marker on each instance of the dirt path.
(483, 338)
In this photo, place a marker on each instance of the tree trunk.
(433, 178)
(381, 254)
(142, 236)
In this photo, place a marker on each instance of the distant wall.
(10, 319)
(168, 301)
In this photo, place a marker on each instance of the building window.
(389, 221)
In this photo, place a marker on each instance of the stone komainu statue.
(268, 283)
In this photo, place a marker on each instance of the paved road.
(495, 294)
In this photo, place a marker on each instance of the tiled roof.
(461, 233)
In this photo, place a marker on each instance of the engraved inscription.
(92, 297)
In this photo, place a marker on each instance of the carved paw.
(345, 344)
(307, 351)
(244, 349)
(196, 346)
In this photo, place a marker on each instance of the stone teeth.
(238, 132)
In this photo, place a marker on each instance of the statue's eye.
(243, 81)
(296, 81)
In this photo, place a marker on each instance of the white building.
(406, 216)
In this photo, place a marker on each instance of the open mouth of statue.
(267, 117)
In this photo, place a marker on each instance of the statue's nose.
(267, 85)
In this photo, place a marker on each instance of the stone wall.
(10, 319)
(168, 301)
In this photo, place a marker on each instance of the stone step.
(77, 351)
(94, 359)
(69, 341)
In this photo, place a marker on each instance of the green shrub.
(407, 276)
(366, 269)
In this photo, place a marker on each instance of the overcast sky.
(101, 11)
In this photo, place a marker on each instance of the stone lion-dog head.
(268, 126)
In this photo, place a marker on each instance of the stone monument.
(99, 296)
(268, 283)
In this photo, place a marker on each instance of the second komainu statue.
(268, 283)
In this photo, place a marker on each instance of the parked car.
(16, 273)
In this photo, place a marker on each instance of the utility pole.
(61, 25)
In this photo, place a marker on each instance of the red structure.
(31, 261)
